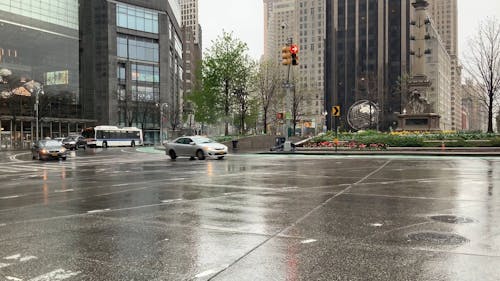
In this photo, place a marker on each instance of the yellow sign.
(336, 110)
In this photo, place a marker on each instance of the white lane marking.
(98, 211)
(122, 184)
(10, 197)
(2, 224)
(376, 224)
(56, 275)
(308, 241)
(13, 278)
(13, 257)
(171, 200)
(205, 273)
(166, 239)
(2, 265)
(63, 191)
(27, 258)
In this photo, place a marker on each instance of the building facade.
(438, 71)
(192, 40)
(131, 64)
(445, 17)
(302, 22)
(475, 113)
(367, 51)
(39, 42)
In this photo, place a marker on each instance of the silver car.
(195, 146)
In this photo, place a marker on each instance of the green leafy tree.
(223, 68)
(204, 101)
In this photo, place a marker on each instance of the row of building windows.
(137, 48)
(140, 93)
(60, 12)
(136, 18)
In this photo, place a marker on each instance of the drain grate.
(438, 238)
(452, 219)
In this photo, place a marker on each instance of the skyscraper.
(367, 51)
(302, 21)
(131, 62)
(192, 48)
(445, 16)
(39, 41)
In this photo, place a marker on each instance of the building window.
(136, 18)
(138, 48)
(145, 73)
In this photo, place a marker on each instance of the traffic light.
(294, 50)
(286, 55)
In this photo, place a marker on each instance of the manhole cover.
(452, 219)
(438, 238)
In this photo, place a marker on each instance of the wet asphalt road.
(123, 214)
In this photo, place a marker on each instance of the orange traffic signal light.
(286, 55)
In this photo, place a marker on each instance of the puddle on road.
(438, 238)
(452, 219)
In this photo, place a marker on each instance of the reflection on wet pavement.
(139, 216)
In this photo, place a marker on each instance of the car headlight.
(63, 150)
(44, 151)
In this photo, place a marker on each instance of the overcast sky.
(246, 19)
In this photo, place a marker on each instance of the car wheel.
(39, 157)
(105, 144)
(200, 154)
(220, 157)
(172, 154)
(63, 158)
(132, 144)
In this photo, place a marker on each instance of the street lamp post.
(37, 89)
(325, 121)
(162, 105)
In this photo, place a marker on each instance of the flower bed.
(377, 140)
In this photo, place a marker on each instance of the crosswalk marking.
(16, 167)
(56, 275)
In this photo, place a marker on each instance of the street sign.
(336, 110)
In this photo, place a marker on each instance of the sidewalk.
(422, 151)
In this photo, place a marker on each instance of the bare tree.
(297, 107)
(268, 83)
(127, 106)
(483, 64)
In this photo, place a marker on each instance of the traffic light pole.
(288, 85)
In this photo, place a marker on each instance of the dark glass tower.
(366, 52)
(131, 64)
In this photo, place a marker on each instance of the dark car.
(48, 149)
(74, 142)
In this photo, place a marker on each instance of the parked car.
(195, 146)
(60, 140)
(48, 149)
(74, 142)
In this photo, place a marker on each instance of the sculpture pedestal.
(418, 122)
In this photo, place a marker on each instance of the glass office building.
(366, 52)
(40, 42)
(131, 62)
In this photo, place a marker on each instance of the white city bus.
(104, 136)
